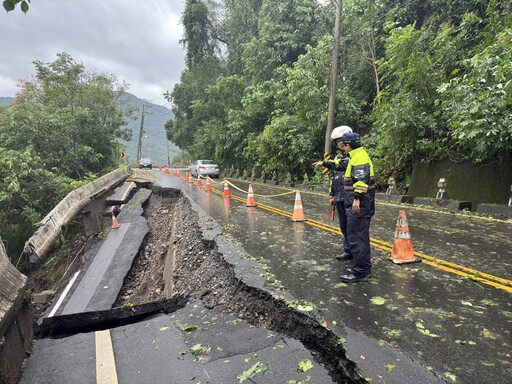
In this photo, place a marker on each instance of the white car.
(204, 168)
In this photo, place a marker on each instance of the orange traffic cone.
(250, 197)
(199, 182)
(226, 189)
(178, 173)
(160, 167)
(402, 251)
(208, 186)
(166, 170)
(298, 212)
(115, 224)
(189, 178)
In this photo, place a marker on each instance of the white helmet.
(338, 132)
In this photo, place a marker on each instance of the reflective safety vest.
(359, 183)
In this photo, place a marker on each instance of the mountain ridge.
(154, 139)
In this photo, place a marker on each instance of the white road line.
(105, 361)
(63, 295)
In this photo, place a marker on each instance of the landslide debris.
(176, 261)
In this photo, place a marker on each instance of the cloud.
(138, 41)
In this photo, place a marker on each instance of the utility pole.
(168, 157)
(334, 77)
(141, 131)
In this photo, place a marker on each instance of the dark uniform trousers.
(342, 217)
(359, 240)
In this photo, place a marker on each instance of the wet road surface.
(455, 326)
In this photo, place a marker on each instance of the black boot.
(344, 256)
(351, 272)
(350, 278)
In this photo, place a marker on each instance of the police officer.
(359, 183)
(336, 190)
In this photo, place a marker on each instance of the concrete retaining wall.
(16, 331)
(53, 224)
(476, 183)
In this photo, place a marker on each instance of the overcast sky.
(137, 40)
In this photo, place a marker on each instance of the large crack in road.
(178, 264)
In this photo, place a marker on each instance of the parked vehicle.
(204, 168)
(145, 162)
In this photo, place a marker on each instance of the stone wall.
(486, 183)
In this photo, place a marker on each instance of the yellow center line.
(435, 262)
(105, 361)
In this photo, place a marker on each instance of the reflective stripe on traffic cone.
(250, 197)
(208, 186)
(226, 189)
(199, 182)
(298, 211)
(402, 251)
(115, 224)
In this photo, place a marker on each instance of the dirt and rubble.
(199, 271)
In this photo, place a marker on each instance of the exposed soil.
(175, 248)
(194, 269)
(55, 271)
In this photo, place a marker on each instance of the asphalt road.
(450, 314)
(444, 320)
(189, 343)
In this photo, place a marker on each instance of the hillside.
(154, 141)
(5, 100)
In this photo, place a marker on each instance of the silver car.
(204, 168)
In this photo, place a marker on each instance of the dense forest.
(418, 79)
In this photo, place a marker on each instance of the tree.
(62, 130)
(72, 118)
(198, 33)
(420, 81)
(285, 28)
(478, 100)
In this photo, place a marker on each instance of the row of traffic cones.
(298, 211)
(401, 253)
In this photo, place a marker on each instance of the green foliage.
(478, 101)
(61, 131)
(71, 117)
(27, 192)
(421, 80)
(285, 28)
(10, 5)
(447, 92)
(198, 33)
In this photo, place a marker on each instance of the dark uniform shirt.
(337, 169)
